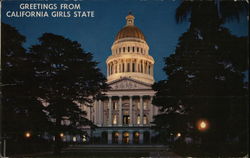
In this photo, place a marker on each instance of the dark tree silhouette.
(66, 76)
(205, 77)
(21, 110)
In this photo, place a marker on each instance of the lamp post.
(202, 126)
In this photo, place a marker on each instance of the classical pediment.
(128, 84)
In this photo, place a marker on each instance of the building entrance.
(125, 138)
(126, 119)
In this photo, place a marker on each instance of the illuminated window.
(115, 120)
(138, 119)
(138, 105)
(84, 139)
(74, 139)
(145, 106)
(145, 120)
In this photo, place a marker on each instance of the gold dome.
(130, 31)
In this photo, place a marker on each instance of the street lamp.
(178, 134)
(202, 125)
(27, 134)
(61, 135)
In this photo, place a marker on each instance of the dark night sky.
(154, 17)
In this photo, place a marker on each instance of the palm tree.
(220, 10)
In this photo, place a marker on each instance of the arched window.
(111, 69)
(128, 49)
(137, 49)
(133, 49)
(115, 68)
(141, 67)
(123, 49)
(122, 67)
(128, 66)
(133, 67)
(145, 120)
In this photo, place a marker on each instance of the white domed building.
(124, 115)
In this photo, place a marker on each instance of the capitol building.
(125, 114)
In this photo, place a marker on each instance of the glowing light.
(27, 134)
(202, 125)
(178, 134)
(116, 134)
(61, 135)
(84, 138)
(137, 134)
(74, 139)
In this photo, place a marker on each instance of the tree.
(21, 110)
(205, 76)
(66, 77)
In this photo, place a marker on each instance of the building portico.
(125, 113)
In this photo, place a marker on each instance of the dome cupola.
(130, 30)
(130, 55)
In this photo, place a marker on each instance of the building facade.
(125, 114)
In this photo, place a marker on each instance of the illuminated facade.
(124, 115)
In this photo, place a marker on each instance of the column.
(142, 66)
(109, 137)
(141, 137)
(120, 110)
(96, 112)
(131, 137)
(110, 111)
(120, 138)
(151, 113)
(141, 110)
(130, 110)
(100, 112)
(125, 64)
(136, 66)
(119, 67)
(131, 66)
(152, 71)
(108, 70)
